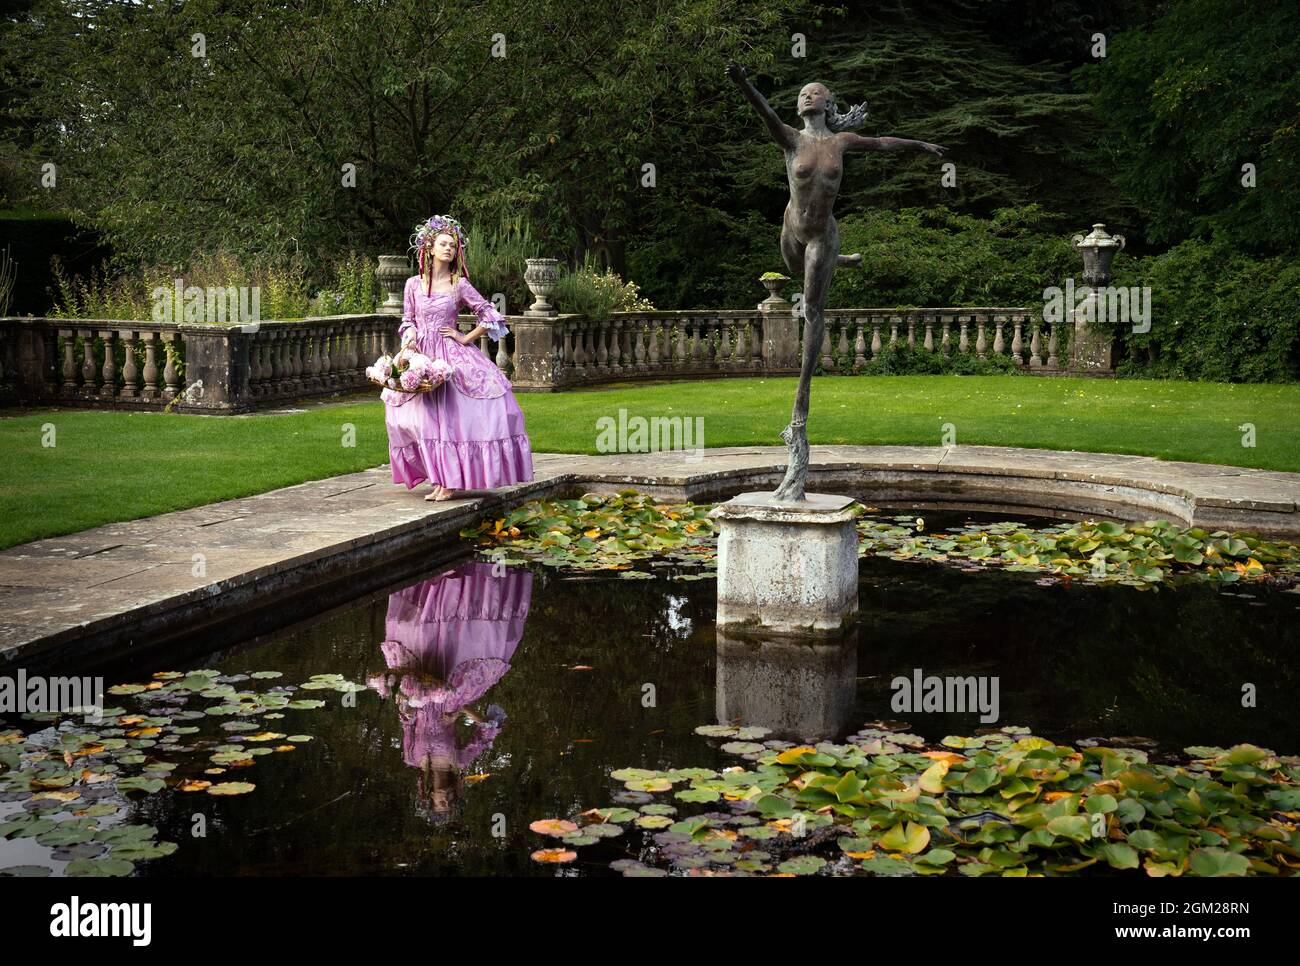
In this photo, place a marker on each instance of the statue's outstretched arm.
(782, 133)
(856, 142)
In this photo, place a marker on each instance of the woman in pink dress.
(469, 433)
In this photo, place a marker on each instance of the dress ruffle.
(463, 464)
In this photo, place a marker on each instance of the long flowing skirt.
(463, 443)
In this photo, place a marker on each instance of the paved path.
(107, 580)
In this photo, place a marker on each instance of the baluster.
(875, 336)
(87, 362)
(859, 345)
(109, 389)
(654, 330)
(842, 347)
(328, 376)
(255, 365)
(679, 342)
(639, 327)
(503, 354)
(1052, 361)
(963, 343)
(130, 371)
(827, 363)
(279, 360)
(602, 351)
(1016, 344)
(998, 344)
(981, 344)
(945, 344)
(724, 345)
(929, 333)
(911, 332)
(150, 366)
(755, 325)
(1035, 347)
(693, 349)
(69, 363)
(171, 380)
(579, 347)
(893, 330)
(570, 360)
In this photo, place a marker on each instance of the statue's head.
(816, 98)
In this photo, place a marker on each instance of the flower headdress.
(422, 241)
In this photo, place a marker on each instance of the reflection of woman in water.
(449, 639)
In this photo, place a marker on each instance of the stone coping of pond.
(254, 564)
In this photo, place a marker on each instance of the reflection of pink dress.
(469, 433)
(460, 628)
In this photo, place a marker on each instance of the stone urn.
(774, 282)
(1092, 349)
(393, 271)
(541, 276)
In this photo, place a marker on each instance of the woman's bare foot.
(438, 493)
(446, 494)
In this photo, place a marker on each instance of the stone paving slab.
(64, 589)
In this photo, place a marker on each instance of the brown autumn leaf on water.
(264, 736)
(471, 779)
(583, 741)
(582, 667)
(285, 747)
(214, 771)
(950, 757)
(657, 731)
(143, 732)
(95, 777)
(861, 855)
(1056, 796)
(130, 719)
(193, 785)
(554, 855)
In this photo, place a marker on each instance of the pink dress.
(469, 433)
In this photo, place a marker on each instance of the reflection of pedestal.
(798, 689)
(787, 567)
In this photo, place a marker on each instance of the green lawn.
(106, 467)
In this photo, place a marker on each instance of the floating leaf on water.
(802, 865)
(99, 868)
(554, 855)
(231, 788)
(553, 826)
(26, 871)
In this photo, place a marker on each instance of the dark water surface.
(377, 791)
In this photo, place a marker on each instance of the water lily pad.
(231, 788)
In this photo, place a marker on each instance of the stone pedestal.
(787, 567)
(780, 335)
(1092, 350)
(800, 690)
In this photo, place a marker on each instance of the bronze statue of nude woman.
(810, 240)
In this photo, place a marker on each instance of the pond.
(498, 695)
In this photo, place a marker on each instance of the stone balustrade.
(213, 369)
(220, 369)
(572, 350)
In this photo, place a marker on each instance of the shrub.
(587, 291)
(1217, 314)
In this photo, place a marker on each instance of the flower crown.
(427, 231)
(422, 241)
